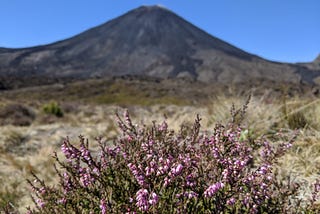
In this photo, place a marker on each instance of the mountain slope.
(147, 41)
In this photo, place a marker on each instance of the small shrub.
(155, 170)
(297, 120)
(299, 115)
(53, 108)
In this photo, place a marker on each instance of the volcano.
(150, 41)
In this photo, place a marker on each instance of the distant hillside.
(147, 41)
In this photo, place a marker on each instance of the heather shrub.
(155, 170)
(53, 108)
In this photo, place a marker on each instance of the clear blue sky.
(280, 30)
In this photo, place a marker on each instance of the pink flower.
(69, 151)
(85, 177)
(163, 126)
(176, 171)
(103, 206)
(153, 199)
(190, 181)
(62, 201)
(85, 154)
(137, 174)
(67, 184)
(211, 190)
(191, 194)
(40, 203)
(264, 169)
(231, 201)
(42, 190)
(167, 181)
(142, 200)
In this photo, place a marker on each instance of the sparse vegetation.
(10, 194)
(16, 114)
(53, 108)
(265, 117)
(13, 141)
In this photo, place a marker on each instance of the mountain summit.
(147, 41)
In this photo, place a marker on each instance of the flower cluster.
(211, 190)
(152, 169)
(103, 206)
(145, 200)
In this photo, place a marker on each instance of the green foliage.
(53, 108)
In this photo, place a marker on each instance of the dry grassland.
(29, 148)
